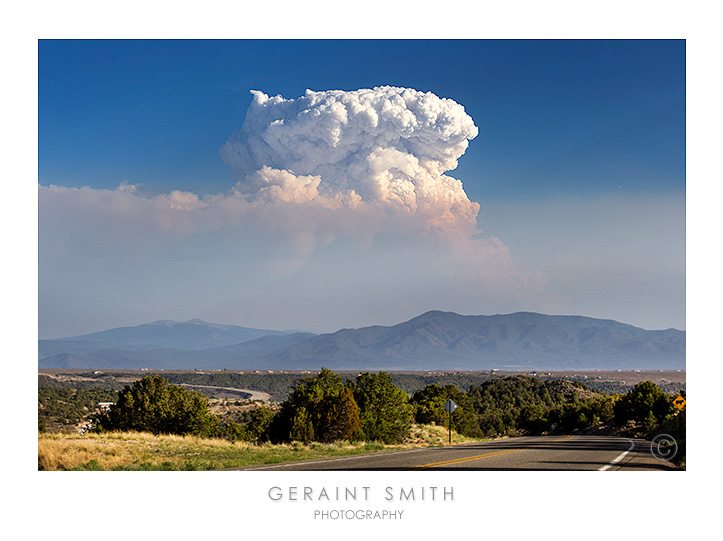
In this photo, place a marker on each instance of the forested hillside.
(327, 407)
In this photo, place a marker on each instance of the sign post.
(449, 407)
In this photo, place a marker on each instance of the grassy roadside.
(142, 451)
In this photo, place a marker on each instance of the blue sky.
(578, 167)
(556, 116)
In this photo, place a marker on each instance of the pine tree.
(301, 427)
(341, 418)
(384, 410)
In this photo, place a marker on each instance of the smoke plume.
(341, 200)
(385, 146)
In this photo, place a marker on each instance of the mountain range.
(432, 341)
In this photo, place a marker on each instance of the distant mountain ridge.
(193, 334)
(434, 340)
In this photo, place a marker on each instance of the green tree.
(260, 423)
(301, 427)
(533, 419)
(522, 404)
(340, 418)
(385, 413)
(232, 431)
(642, 401)
(604, 408)
(152, 405)
(429, 408)
(327, 413)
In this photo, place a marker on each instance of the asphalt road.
(255, 395)
(530, 453)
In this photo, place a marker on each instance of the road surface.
(255, 395)
(601, 453)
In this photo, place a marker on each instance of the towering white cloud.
(342, 199)
(388, 145)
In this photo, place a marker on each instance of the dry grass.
(62, 451)
(131, 450)
(143, 451)
(432, 435)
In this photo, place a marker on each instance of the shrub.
(152, 405)
(384, 410)
(644, 401)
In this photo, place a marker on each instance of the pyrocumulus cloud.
(387, 145)
(331, 187)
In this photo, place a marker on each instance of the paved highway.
(530, 453)
(255, 395)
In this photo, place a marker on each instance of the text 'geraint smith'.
(389, 494)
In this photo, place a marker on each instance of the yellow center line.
(487, 455)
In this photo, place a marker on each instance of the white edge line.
(618, 458)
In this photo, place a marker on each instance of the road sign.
(449, 407)
(679, 402)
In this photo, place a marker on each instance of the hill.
(515, 341)
(434, 340)
(194, 334)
